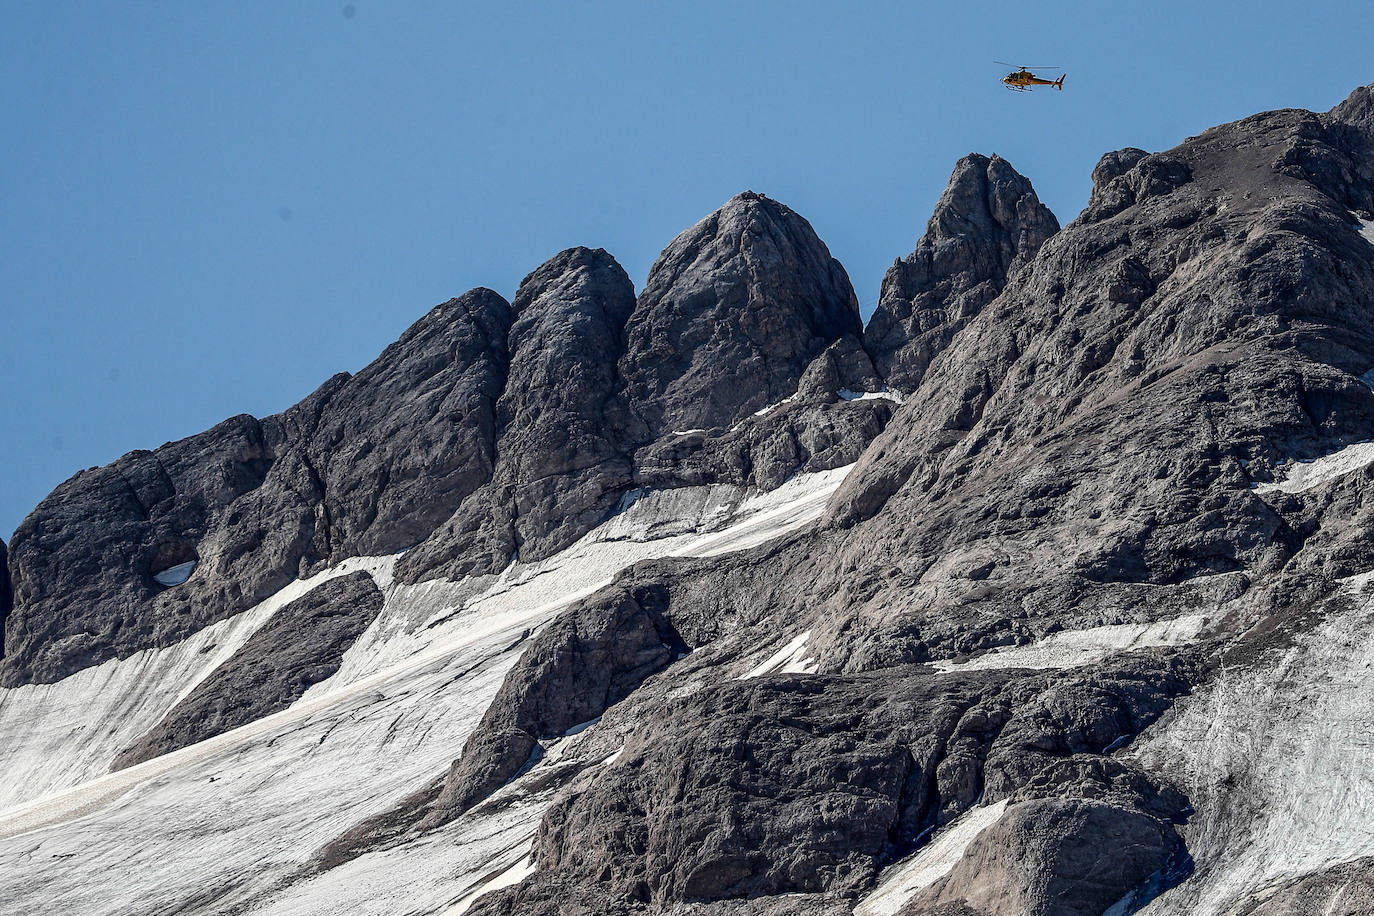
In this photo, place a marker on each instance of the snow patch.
(176, 575)
(681, 522)
(1366, 229)
(1072, 648)
(512, 875)
(787, 660)
(54, 736)
(581, 727)
(886, 394)
(764, 411)
(1305, 475)
(901, 881)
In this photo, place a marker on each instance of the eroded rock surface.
(987, 225)
(733, 312)
(1081, 453)
(562, 449)
(367, 464)
(1052, 856)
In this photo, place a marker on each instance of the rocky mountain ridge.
(1077, 533)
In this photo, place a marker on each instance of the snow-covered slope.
(1276, 758)
(233, 821)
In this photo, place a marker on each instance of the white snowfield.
(229, 823)
(1366, 229)
(1305, 475)
(53, 736)
(1072, 648)
(886, 394)
(790, 659)
(1276, 758)
(901, 881)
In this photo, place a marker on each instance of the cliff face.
(368, 464)
(987, 224)
(1083, 629)
(749, 294)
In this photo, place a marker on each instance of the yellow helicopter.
(1023, 78)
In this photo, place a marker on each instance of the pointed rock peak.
(987, 224)
(1357, 109)
(481, 309)
(559, 465)
(733, 311)
(569, 330)
(986, 196)
(576, 273)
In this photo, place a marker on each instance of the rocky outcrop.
(367, 464)
(301, 645)
(734, 311)
(839, 407)
(562, 449)
(988, 224)
(1052, 857)
(398, 446)
(809, 785)
(577, 668)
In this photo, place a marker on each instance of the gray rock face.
(367, 464)
(1052, 856)
(575, 670)
(1130, 371)
(733, 312)
(399, 445)
(302, 644)
(482, 434)
(1081, 452)
(825, 425)
(808, 785)
(562, 452)
(83, 562)
(6, 594)
(987, 225)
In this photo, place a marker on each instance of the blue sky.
(208, 209)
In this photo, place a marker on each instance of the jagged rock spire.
(561, 459)
(987, 224)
